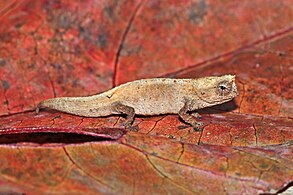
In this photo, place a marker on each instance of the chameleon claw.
(128, 125)
(132, 128)
(198, 126)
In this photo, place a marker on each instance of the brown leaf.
(154, 164)
(59, 48)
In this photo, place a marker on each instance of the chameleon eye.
(224, 88)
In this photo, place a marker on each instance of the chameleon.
(153, 96)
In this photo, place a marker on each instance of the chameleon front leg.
(188, 118)
(123, 109)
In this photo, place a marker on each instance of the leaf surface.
(63, 48)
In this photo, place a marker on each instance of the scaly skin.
(151, 97)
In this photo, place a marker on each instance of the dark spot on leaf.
(238, 174)
(279, 53)
(90, 70)
(2, 62)
(6, 171)
(70, 66)
(109, 11)
(222, 168)
(264, 166)
(5, 84)
(49, 5)
(60, 80)
(31, 66)
(75, 83)
(56, 66)
(84, 33)
(197, 12)
(18, 25)
(102, 39)
(64, 20)
(180, 127)
(6, 102)
(128, 49)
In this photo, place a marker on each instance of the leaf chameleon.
(151, 97)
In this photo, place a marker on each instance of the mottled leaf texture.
(78, 48)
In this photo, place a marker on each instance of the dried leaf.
(59, 48)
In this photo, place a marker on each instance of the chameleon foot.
(190, 119)
(198, 126)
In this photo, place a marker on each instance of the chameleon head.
(216, 90)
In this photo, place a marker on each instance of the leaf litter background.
(65, 48)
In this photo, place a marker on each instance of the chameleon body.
(151, 97)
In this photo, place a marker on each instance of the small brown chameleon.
(151, 97)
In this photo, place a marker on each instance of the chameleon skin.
(151, 97)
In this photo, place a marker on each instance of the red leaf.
(64, 48)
